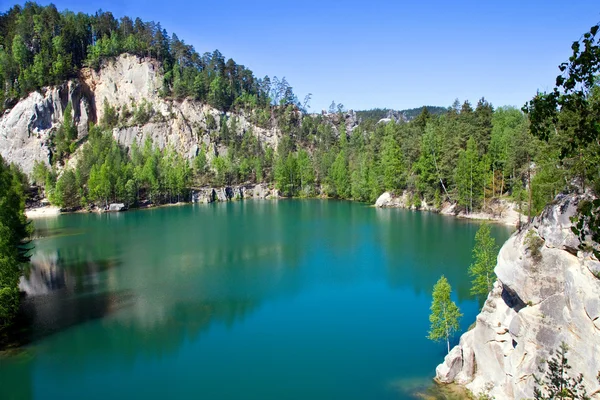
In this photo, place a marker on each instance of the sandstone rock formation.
(228, 193)
(124, 83)
(389, 200)
(501, 211)
(25, 129)
(547, 292)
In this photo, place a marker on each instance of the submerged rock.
(546, 294)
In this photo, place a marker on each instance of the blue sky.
(391, 54)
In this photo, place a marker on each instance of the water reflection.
(319, 281)
(59, 295)
(422, 246)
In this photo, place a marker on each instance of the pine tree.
(445, 314)
(484, 261)
(13, 251)
(557, 383)
(469, 177)
(391, 161)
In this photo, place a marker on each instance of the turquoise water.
(246, 300)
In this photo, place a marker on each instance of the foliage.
(484, 261)
(445, 314)
(110, 118)
(586, 227)
(66, 192)
(14, 229)
(557, 384)
(569, 116)
(534, 244)
(40, 46)
(466, 154)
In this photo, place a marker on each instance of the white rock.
(510, 337)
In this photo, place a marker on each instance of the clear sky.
(368, 54)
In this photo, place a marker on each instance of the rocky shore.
(547, 292)
(228, 193)
(499, 211)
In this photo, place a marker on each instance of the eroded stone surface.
(538, 302)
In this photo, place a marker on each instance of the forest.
(464, 154)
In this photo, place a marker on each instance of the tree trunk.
(439, 176)
(471, 196)
(493, 183)
(530, 188)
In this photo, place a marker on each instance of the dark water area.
(255, 300)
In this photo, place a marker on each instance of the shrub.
(534, 244)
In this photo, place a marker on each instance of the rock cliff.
(124, 84)
(547, 292)
(26, 129)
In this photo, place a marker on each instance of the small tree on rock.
(445, 314)
(557, 384)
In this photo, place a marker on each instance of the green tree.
(14, 229)
(557, 383)
(340, 176)
(469, 177)
(444, 315)
(306, 172)
(20, 52)
(110, 118)
(68, 126)
(40, 171)
(571, 111)
(66, 193)
(391, 161)
(221, 166)
(200, 163)
(484, 261)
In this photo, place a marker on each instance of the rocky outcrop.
(127, 83)
(406, 200)
(547, 292)
(26, 129)
(392, 115)
(228, 193)
(124, 84)
(117, 207)
(501, 211)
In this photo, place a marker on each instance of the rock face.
(546, 294)
(228, 193)
(499, 210)
(117, 207)
(26, 129)
(124, 83)
(389, 200)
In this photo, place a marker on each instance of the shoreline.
(511, 218)
(42, 212)
(504, 211)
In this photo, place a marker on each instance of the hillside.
(137, 115)
(399, 115)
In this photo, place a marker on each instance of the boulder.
(116, 207)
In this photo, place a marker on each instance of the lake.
(289, 299)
